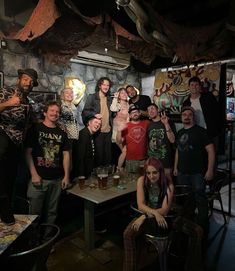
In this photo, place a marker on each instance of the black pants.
(103, 149)
(9, 158)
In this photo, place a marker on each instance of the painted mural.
(171, 87)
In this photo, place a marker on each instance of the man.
(141, 101)
(134, 136)
(14, 115)
(161, 136)
(205, 106)
(98, 105)
(85, 148)
(194, 162)
(49, 164)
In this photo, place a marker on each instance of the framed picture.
(38, 99)
(1, 79)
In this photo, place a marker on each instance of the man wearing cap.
(14, 114)
(141, 101)
(134, 136)
(194, 162)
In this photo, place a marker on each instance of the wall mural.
(171, 87)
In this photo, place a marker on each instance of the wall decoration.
(38, 99)
(77, 86)
(1, 79)
(171, 87)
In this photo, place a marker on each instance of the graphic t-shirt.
(192, 156)
(13, 119)
(158, 144)
(135, 138)
(47, 146)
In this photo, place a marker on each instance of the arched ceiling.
(155, 33)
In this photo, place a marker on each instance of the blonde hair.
(63, 91)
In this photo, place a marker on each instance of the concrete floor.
(70, 254)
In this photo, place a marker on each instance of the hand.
(98, 116)
(64, 183)
(164, 118)
(115, 95)
(209, 175)
(14, 100)
(138, 222)
(160, 220)
(36, 180)
(175, 172)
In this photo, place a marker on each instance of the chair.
(160, 239)
(31, 249)
(214, 192)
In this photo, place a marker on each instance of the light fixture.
(77, 86)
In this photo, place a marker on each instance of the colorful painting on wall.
(171, 87)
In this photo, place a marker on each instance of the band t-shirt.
(192, 155)
(47, 146)
(159, 145)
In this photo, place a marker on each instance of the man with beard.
(161, 136)
(141, 101)
(194, 163)
(14, 114)
(134, 136)
(98, 105)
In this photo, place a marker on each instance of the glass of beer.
(102, 174)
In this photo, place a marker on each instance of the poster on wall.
(171, 87)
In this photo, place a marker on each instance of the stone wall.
(51, 76)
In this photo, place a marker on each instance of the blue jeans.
(197, 183)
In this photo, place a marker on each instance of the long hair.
(163, 182)
(100, 82)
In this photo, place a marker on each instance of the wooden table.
(94, 196)
(8, 234)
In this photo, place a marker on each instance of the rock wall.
(51, 76)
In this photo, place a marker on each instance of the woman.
(154, 197)
(120, 107)
(69, 114)
(69, 121)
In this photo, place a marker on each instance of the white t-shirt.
(199, 117)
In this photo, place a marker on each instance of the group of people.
(57, 151)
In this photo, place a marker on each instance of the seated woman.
(154, 197)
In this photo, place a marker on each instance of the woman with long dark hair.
(154, 197)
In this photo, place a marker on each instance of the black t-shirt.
(47, 146)
(191, 145)
(159, 145)
(143, 102)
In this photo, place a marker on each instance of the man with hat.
(14, 114)
(194, 163)
(134, 136)
(84, 148)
